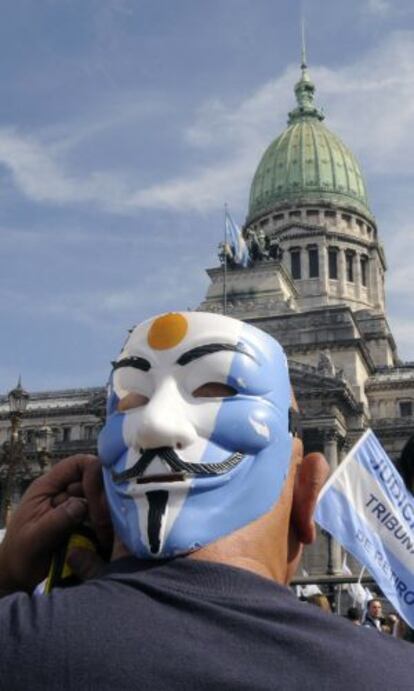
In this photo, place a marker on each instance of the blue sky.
(125, 125)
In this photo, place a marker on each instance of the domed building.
(316, 282)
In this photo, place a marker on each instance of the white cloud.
(378, 7)
(370, 104)
(42, 177)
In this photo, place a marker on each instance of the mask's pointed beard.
(157, 501)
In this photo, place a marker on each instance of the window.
(333, 262)
(313, 262)
(66, 434)
(349, 258)
(406, 408)
(364, 270)
(295, 214)
(29, 436)
(295, 266)
(312, 213)
(88, 432)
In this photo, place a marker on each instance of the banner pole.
(225, 262)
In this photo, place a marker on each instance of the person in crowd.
(212, 500)
(386, 628)
(405, 464)
(320, 600)
(354, 615)
(373, 617)
(392, 620)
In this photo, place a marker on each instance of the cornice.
(389, 385)
(291, 204)
(59, 393)
(368, 245)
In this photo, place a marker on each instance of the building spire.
(304, 89)
(303, 65)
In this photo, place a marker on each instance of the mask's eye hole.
(132, 400)
(214, 390)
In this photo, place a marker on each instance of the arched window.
(349, 259)
(295, 263)
(364, 270)
(313, 261)
(333, 262)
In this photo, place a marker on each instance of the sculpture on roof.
(260, 247)
(326, 365)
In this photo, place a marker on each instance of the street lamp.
(18, 399)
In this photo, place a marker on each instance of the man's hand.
(53, 505)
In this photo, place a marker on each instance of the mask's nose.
(164, 421)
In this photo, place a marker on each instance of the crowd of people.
(372, 617)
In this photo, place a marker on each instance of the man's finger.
(63, 519)
(99, 514)
(63, 474)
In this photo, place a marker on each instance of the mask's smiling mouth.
(180, 470)
(165, 477)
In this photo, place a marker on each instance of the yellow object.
(167, 331)
(60, 569)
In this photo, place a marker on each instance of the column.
(323, 268)
(342, 273)
(357, 274)
(330, 448)
(305, 263)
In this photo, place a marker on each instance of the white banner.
(367, 509)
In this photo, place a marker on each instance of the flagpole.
(225, 262)
(359, 582)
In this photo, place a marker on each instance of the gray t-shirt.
(187, 624)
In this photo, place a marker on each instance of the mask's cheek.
(132, 427)
(203, 416)
(111, 443)
(247, 426)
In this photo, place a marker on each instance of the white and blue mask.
(196, 442)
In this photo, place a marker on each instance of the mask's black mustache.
(176, 464)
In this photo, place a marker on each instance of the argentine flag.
(236, 241)
(367, 509)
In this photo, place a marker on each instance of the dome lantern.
(304, 92)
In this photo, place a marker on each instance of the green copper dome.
(307, 164)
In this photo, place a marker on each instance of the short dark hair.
(406, 463)
(353, 614)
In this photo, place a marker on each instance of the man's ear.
(310, 478)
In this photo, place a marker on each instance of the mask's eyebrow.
(209, 348)
(133, 361)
